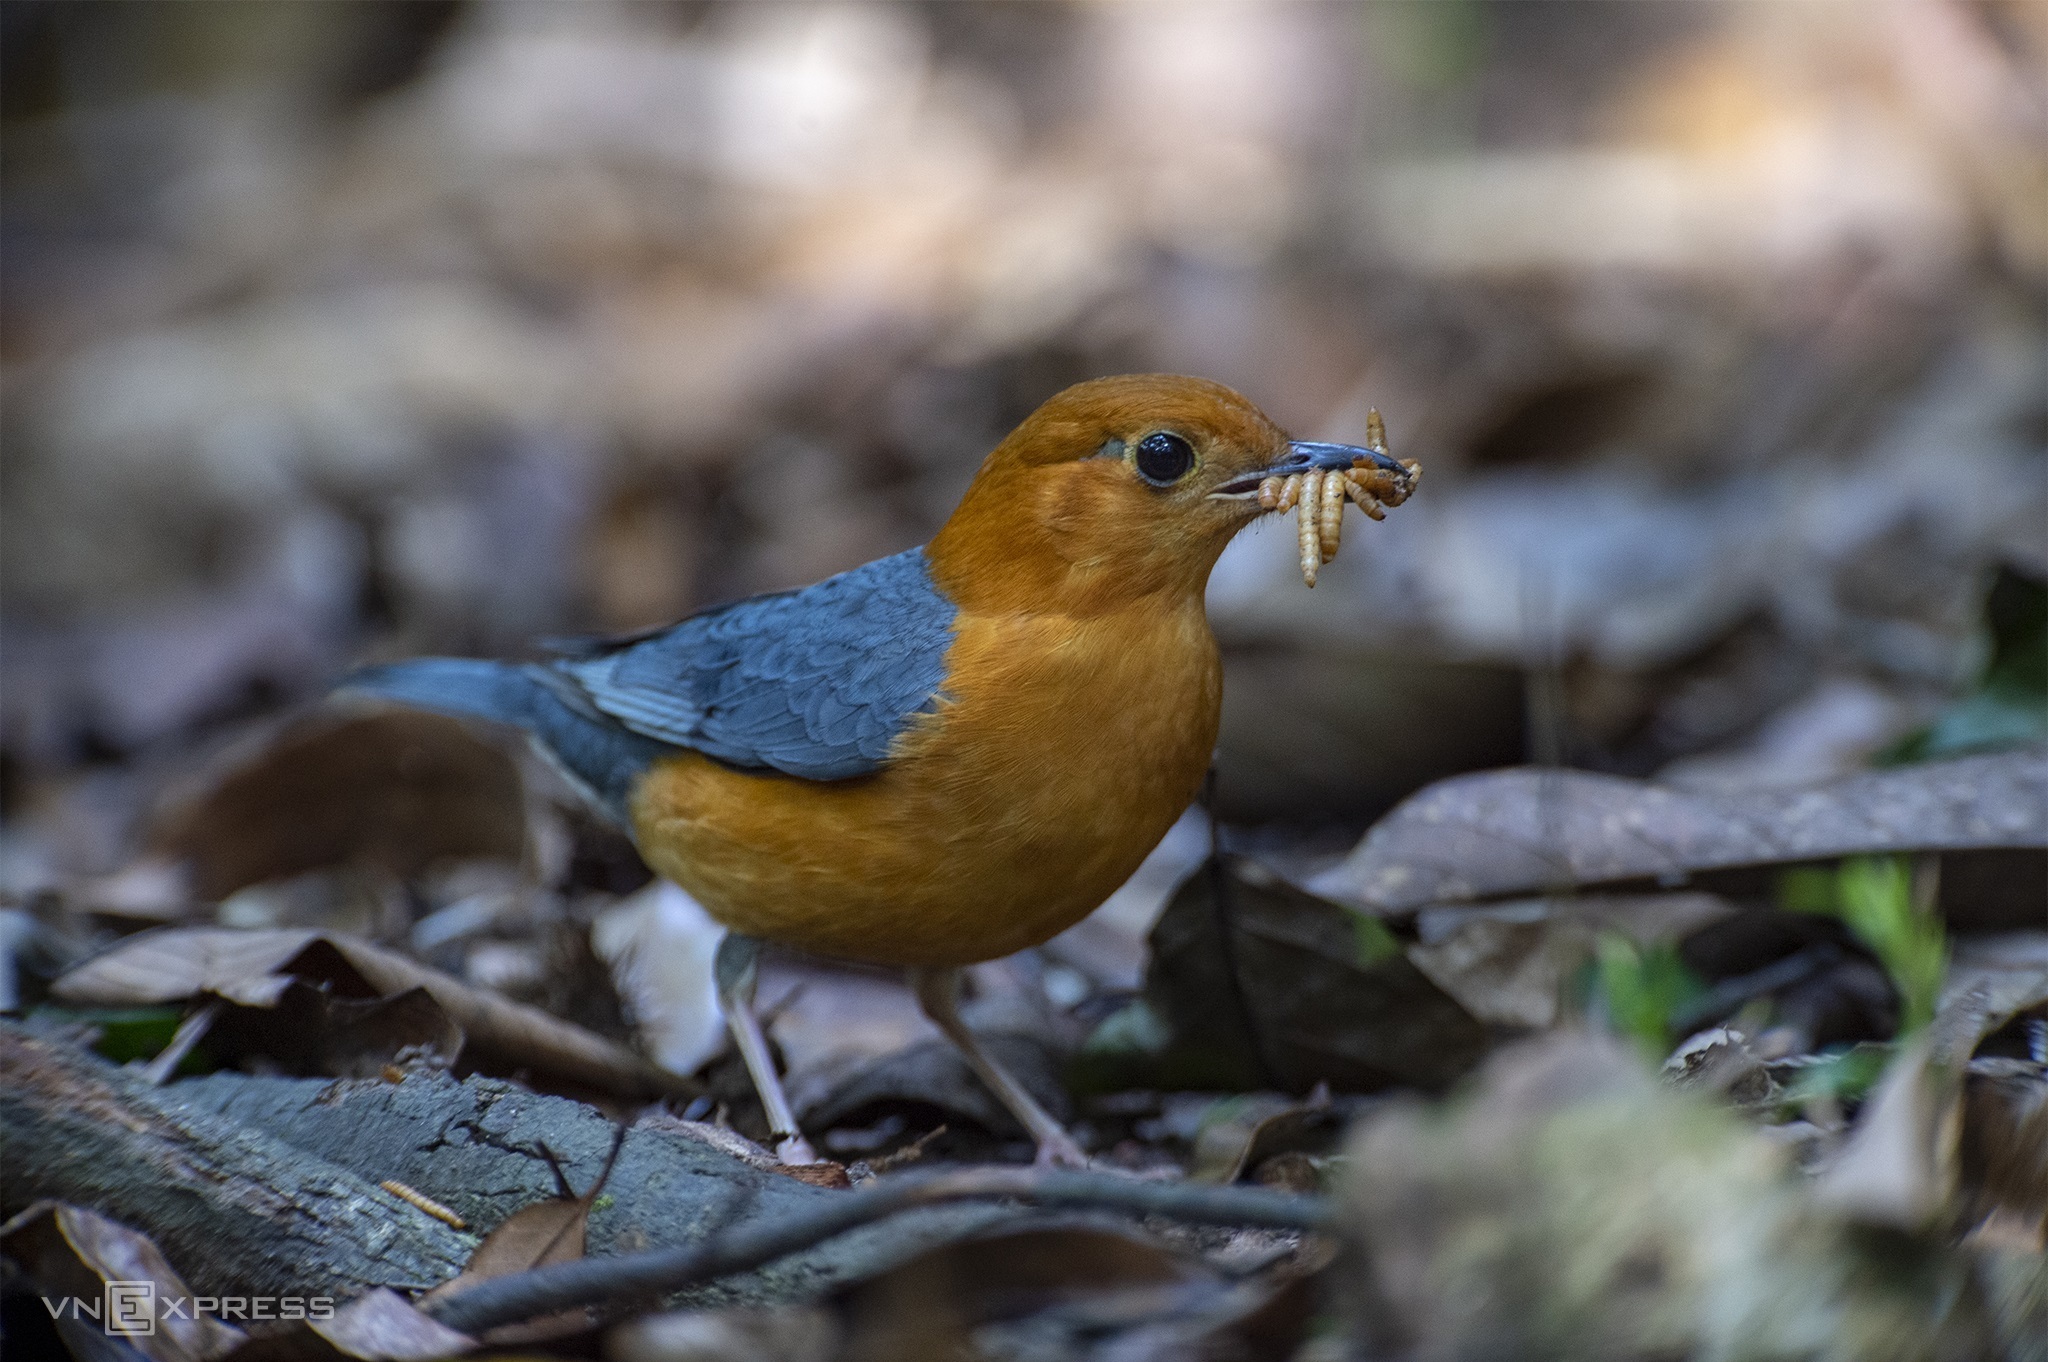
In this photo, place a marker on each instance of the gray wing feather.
(815, 683)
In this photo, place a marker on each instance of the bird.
(946, 755)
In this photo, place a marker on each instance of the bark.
(269, 1185)
(235, 1210)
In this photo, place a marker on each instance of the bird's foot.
(795, 1149)
(1057, 1149)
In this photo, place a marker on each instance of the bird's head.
(1114, 489)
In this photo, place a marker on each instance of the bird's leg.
(737, 971)
(938, 993)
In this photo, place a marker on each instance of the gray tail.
(602, 757)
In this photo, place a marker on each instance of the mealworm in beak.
(1319, 497)
(1330, 520)
(1310, 523)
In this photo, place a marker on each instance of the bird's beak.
(1304, 456)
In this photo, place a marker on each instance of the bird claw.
(1059, 1152)
(795, 1149)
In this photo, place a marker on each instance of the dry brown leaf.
(1302, 991)
(1513, 832)
(532, 1236)
(544, 1233)
(393, 790)
(929, 1306)
(384, 1327)
(1899, 1165)
(1508, 963)
(1261, 1127)
(2004, 1152)
(71, 1251)
(256, 969)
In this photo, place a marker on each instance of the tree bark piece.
(475, 1146)
(236, 1211)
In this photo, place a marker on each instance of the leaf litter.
(1845, 1150)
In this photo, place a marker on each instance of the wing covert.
(814, 683)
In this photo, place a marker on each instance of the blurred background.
(349, 330)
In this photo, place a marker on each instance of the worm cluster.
(1320, 497)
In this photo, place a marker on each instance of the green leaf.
(1845, 1075)
(126, 1034)
(2009, 704)
(1873, 896)
(1877, 905)
(1641, 990)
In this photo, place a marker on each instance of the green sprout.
(1873, 896)
(1641, 989)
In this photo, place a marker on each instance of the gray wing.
(814, 683)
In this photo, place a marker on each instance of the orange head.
(1116, 489)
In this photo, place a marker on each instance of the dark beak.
(1305, 456)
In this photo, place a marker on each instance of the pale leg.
(736, 969)
(938, 993)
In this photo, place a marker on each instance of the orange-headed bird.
(948, 754)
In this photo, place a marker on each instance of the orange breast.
(1063, 751)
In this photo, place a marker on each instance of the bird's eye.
(1164, 458)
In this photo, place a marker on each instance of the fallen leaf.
(1521, 831)
(659, 944)
(383, 1326)
(931, 1306)
(1298, 991)
(545, 1232)
(1898, 1167)
(1990, 980)
(1565, 1204)
(394, 790)
(791, 1333)
(932, 1078)
(1508, 963)
(2003, 1157)
(259, 969)
(71, 1251)
(1244, 1133)
(532, 1236)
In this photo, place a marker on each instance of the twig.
(562, 1286)
(190, 1032)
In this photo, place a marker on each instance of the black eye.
(1164, 458)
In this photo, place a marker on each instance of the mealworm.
(424, 1203)
(1309, 521)
(1330, 520)
(1319, 497)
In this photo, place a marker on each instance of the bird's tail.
(600, 756)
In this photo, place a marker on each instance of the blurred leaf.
(1296, 992)
(69, 1250)
(1641, 989)
(1898, 1166)
(391, 790)
(124, 1033)
(1566, 1205)
(1843, 1076)
(2004, 1152)
(2009, 705)
(1242, 1133)
(1874, 897)
(933, 1074)
(931, 1306)
(375, 991)
(1877, 903)
(1528, 831)
(379, 1326)
(1513, 963)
